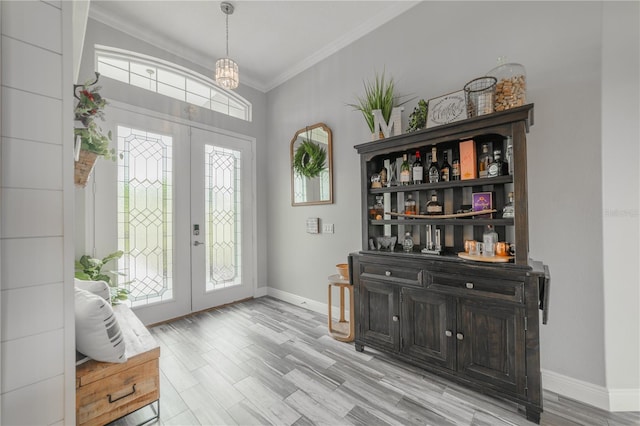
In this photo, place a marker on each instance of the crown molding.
(394, 10)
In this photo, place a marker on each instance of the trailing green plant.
(92, 139)
(90, 106)
(309, 159)
(90, 268)
(418, 118)
(378, 94)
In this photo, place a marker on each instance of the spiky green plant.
(378, 94)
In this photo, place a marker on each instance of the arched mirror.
(311, 166)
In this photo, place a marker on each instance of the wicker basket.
(84, 167)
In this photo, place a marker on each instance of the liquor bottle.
(407, 243)
(434, 169)
(410, 205)
(445, 170)
(484, 160)
(433, 206)
(489, 238)
(405, 171)
(455, 166)
(509, 156)
(496, 168)
(418, 170)
(509, 210)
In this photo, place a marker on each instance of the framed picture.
(446, 109)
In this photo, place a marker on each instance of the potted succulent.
(378, 94)
(90, 268)
(90, 139)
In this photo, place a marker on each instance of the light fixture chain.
(227, 15)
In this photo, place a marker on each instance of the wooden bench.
(107, 391)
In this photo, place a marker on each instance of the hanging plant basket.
(84, 167)
(90, 140)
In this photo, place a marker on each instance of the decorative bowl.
(343, 270)
(387, 242)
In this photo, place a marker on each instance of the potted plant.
(90, 268)
(91, 142)
(418, 118)
(378, 94)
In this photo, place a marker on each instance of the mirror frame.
(329, 164)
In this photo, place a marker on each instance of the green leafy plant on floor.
(90, 268)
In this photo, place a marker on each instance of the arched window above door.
(169, 79)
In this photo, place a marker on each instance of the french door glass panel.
(145, 214)
(223, 224)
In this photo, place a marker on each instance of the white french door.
(168, 176)
(221, 219)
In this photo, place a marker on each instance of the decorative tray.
(479, 258)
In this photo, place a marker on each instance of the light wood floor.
(268, 362)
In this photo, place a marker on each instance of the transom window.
(170, 80)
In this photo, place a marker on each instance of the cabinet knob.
(387, 273)
(448, 333)
(395, 318)
(459, 336)
(469, 285)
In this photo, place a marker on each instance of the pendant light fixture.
(226, 69)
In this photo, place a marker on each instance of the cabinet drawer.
(114, 396)
(400, 274)
(489, 287)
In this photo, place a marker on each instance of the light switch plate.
(327, 228)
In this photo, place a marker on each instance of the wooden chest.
(107, 391)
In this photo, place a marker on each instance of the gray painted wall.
(433, 49)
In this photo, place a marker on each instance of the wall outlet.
(327, 228)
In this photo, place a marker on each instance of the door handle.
(197, 243)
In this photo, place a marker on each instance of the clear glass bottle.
(410, 205)
(509, 210)
(405, 171)
(407, 243)
(483, 161)
(445, 170)
(418, 169)
(511, 88)
(433, 206)
(509, 157)
(496, 168)
(434, 169)
(489, 239)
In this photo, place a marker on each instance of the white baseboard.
(303, 302)
(588, 393)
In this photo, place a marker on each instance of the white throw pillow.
(98, 333)
(101, 288)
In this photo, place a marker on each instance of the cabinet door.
(428, 327)
(491, 344)
(379, 312)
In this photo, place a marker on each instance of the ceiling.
(271, 41)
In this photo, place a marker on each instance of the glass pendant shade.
(227, 74)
